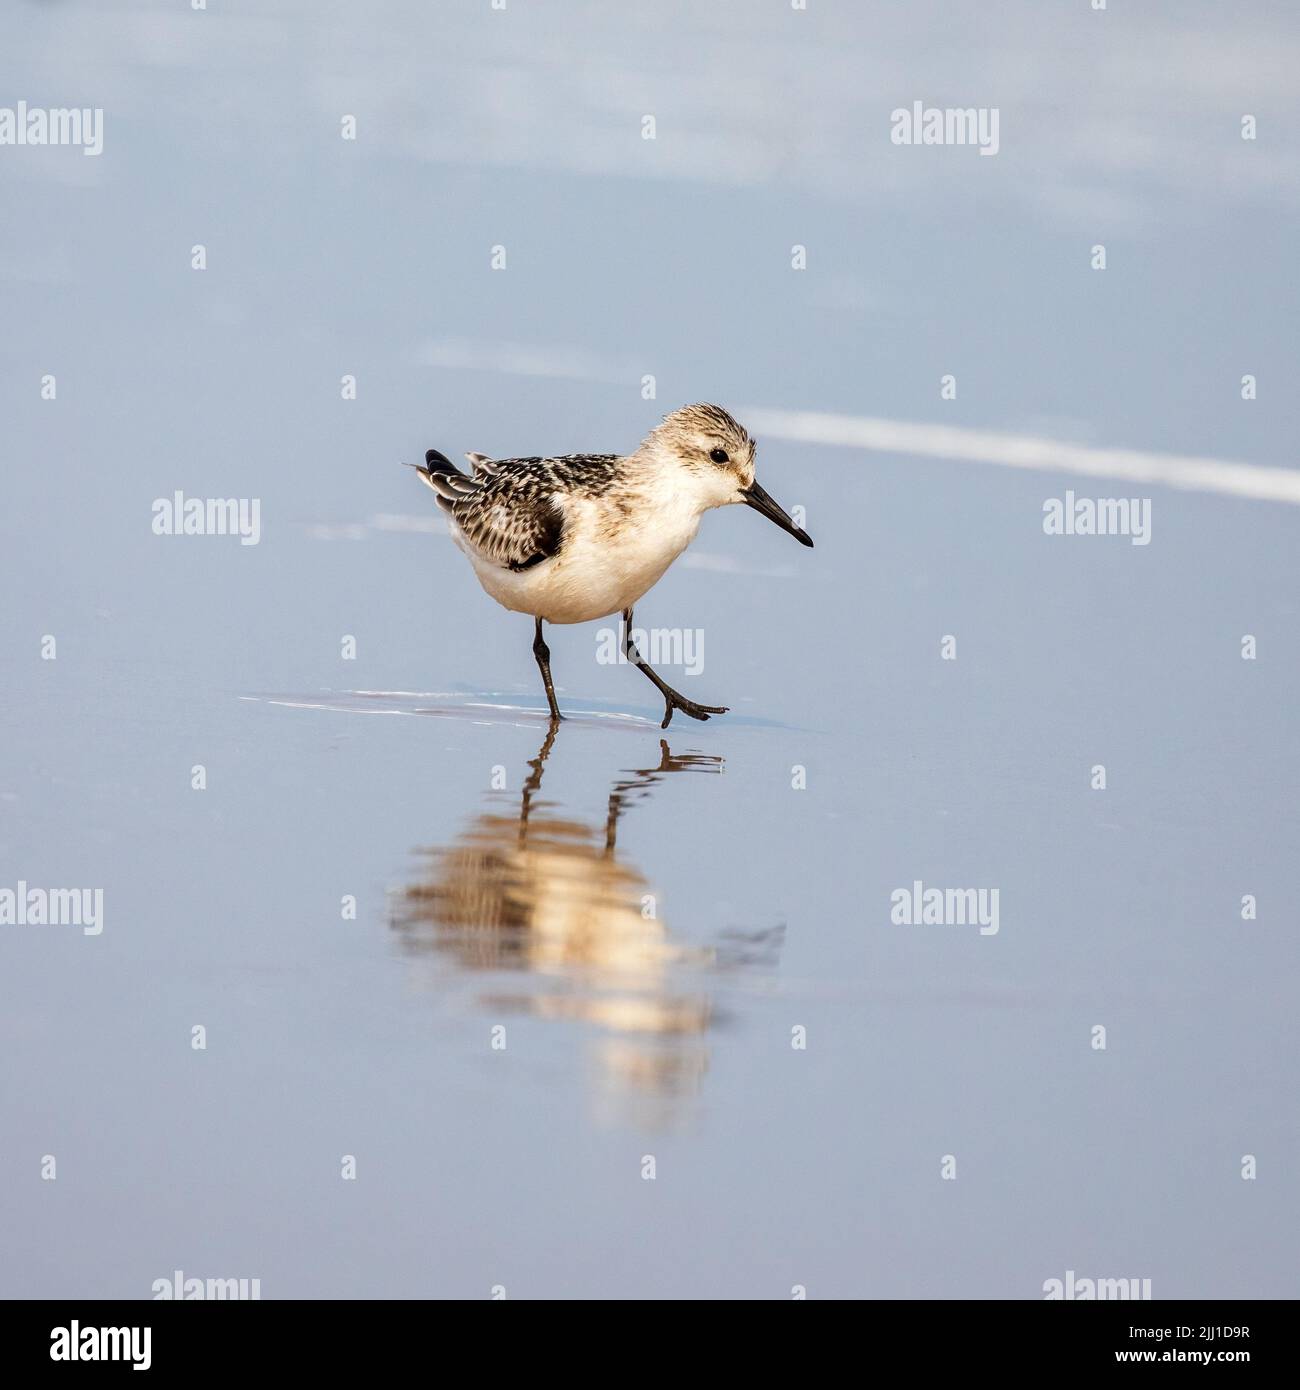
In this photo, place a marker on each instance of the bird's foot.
(674, 701)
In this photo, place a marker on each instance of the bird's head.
(716, 457)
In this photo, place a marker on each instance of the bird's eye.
(718, 455)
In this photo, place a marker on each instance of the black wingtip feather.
(434, 462)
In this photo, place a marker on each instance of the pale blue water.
(856, 761)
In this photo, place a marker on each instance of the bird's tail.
(443, 477)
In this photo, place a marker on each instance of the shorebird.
(583, 536)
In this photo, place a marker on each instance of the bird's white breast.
(616, 546)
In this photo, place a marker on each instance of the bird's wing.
(510, 515)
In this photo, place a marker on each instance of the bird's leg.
(672, 699)
(543, 654)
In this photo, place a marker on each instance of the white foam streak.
(1256, 481)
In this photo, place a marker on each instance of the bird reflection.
(547, 893)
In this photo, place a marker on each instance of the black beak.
(762, 501)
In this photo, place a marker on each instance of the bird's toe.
(690, 708)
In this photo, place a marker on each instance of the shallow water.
(647, 919)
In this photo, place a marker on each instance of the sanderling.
(583, 536)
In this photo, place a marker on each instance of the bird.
(576, 537)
